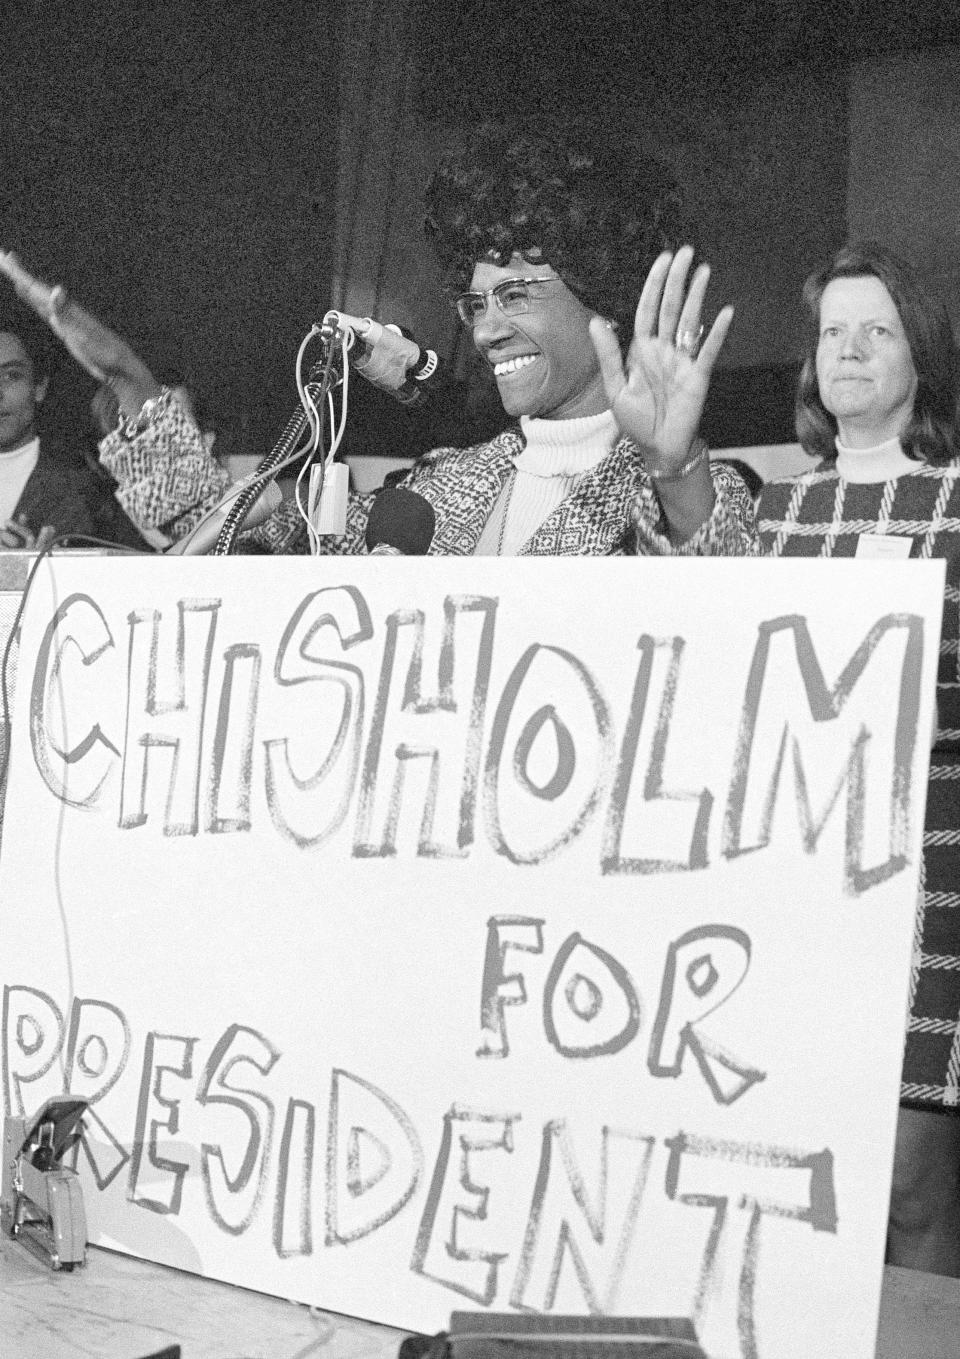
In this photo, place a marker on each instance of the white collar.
(883, 462)
(564, 448)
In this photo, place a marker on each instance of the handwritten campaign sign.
(432, 935)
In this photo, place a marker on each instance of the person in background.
(45, 487)
(545, 245)
(877, 408)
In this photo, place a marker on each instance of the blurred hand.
(658, 396)
(17, 534)
(104, 409)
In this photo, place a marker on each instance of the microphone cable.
(6, 717)
(286, 449)
(339, 342)
(338, 332)
(316, 393)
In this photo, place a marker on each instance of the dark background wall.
(172, 164)
(176, 166)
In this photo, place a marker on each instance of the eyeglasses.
(512, 296)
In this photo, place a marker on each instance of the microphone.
(400, 524)
(390, 358)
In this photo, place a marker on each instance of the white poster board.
(433, 935)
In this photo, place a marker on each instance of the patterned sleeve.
(730, 531)
(285, 531)
(167, 481)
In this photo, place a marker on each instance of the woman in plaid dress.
(877, 407)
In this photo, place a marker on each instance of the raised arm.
(103, 353)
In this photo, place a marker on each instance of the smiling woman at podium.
(545, 245)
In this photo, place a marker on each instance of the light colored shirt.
(557, 453)
(15, 469)
(866, 466)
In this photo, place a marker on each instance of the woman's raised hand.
(17, 534)
(657, 397)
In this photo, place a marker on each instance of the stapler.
(41, 1201)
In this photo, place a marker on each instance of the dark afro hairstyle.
(598, 214)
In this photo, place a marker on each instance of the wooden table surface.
(117, 1307)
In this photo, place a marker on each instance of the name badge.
(884, 545)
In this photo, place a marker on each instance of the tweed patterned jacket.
(167, 482)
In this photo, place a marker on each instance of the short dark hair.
(16, 318)
(599, 214)
(931, 432)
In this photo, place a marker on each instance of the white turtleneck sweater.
(882, 462)
(15, 469)
(557, 453)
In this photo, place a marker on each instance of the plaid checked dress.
(821, 515)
